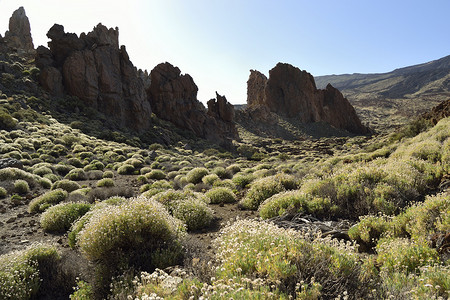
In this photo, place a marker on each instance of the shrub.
(108, 174)
(125, 169)
(60, 217)
(22, 273)
(260, 190)
(7, 122)
(46, 200)
(210, 179)
(278, 204)
(67, 185)
(221, 195)
(75, 162)
(369, 229)
(105, 182)
(41, 171)
(233, 169)
(403, 255)
(252, 249)
(10, 174)
(76, 174)
(242, 180)
(222, 173)
(156, 174)
(3, 192)
(136, 232)
(193, 212)
(195, 175)
(21, 186)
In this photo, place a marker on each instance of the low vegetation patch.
(60, 217)
(22, 273)
(46, 200)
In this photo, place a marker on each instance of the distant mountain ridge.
(388, 100)
(423, 79)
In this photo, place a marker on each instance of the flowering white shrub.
(140, 223)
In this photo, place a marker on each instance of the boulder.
(18, 38)
(94, 68)
(292, 93)
(10, 162)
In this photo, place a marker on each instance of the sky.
(218, 42)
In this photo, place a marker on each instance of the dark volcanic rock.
(94, 68)
(18, 38)
(438, 112)
(292, 93)
(255, 88)
(10, 163)
(173, 97)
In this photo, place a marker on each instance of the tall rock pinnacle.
(18, 37)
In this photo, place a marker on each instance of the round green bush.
(260, 190)
(63, 169)
(60, 217)
(67, 185)
(140, 226)
(105, 182)
(193, 212)
(210, 179)
(46, 200)
(126, 169)
(108, 174)
(233, 169)
(242, 180)
(21, 186)
(279, 203)
(221, 195)
(222, 173)
(156, 174)
(41, 171)
(195, 175)
(76, 174)
(52, 177)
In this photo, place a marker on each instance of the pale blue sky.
(218, 42)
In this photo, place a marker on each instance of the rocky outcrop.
(18, 38)
(222, 126)
(255, 88)
(292, 93)
(94, 68)
(173, 97)
(438, 112)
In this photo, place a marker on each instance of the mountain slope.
(387, 100)
(427, 78)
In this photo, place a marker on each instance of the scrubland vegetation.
(129, 208)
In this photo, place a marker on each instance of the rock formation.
(173, 97)
(94, 68)
(292, 93)
(18, 38)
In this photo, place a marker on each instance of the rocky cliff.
(173, 97)
(292, 93)
(94, 68)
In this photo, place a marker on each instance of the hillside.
(93, 209)
(391, 98)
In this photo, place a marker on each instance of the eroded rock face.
(94, 68)
(255, 88)
(173, 97)
(292, 93)
(18, 38)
